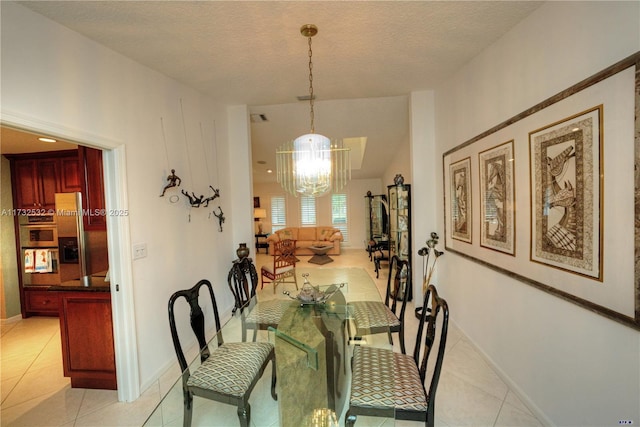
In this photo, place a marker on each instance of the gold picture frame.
(497, 198)
(566, 193)
(460, 200)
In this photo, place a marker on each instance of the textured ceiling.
(246, 52)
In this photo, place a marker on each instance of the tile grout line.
(504, 399)
(26, 371)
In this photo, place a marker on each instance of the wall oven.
(39, 250)
(38, 232)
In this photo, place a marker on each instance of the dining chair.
(376, 317)
(227, 373)
(254, 314)
(283, 267)
(389, 384)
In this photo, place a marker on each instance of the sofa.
(308, 236)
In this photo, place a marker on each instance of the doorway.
(118, 239)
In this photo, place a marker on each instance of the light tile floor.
(35, 392)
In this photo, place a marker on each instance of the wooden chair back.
(398, 286)
(433, 307)
(284, 254)
(197, 322)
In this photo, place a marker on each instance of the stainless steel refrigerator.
(81, 253)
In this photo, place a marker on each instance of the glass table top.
(313, 354)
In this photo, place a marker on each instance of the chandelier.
(311, 165)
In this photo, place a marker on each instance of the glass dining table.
(313, 360)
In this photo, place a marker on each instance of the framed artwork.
(563, 158)
(256, 202)
(566, 193)
(497, 196)
(460, 179)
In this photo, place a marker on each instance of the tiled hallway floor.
(35, 392)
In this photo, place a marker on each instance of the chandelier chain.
(311, 87)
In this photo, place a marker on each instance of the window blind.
(339, 218)
(278, 213)
(307, 210)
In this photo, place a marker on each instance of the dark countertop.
(94, 283)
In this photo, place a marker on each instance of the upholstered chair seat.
(231, 368)
(377, 317)
(383, 379)
(268, 312)
(372, 314)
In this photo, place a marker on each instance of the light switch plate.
(139, 250)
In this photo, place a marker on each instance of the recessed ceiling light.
(47, 140)
(269, 170)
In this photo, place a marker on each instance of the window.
(278, 213)
(307, 210)
(339, 214)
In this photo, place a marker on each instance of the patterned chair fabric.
(268, 312)
(384, 379)
(231, 368)
(227, 374)
(388, 384)
(375, 317)
(373, 314)
(284, 265)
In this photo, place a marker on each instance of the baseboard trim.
(10, 320)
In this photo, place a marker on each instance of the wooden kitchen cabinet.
(38, 177)
(92, 184)
(86, 330)
(36, 183)
(70, 174)
(40, 302)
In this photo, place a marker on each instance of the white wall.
(574, 366)
(56, 80)
(400, 164)
(425, 168)
(9, 289)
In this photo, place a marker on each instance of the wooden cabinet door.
(91, 177)
(38, 177)
(26, 184)
(86, 330)
(70, 174)
(39, 301)
(49, 182)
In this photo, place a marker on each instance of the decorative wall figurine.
(174, 181)
(216, 194)
(220, 218)
(196, 201)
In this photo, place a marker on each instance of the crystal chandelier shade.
(312, 165)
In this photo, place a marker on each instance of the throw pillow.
(325, 233)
